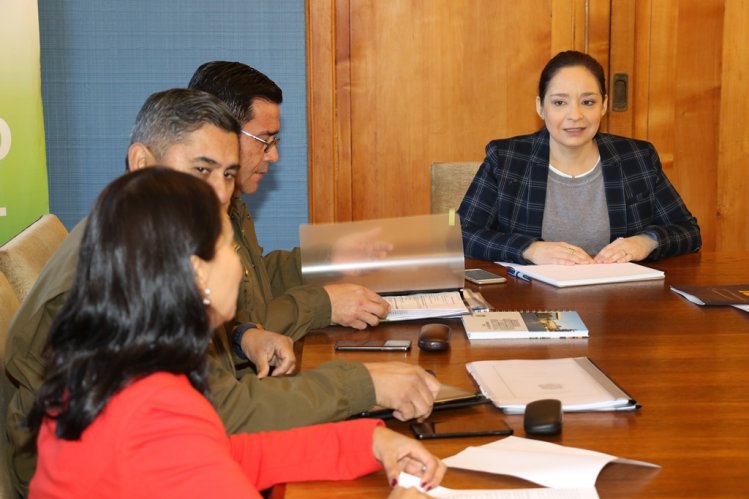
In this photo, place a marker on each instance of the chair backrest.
(9, 303)
(8, 306)
(23, 257)
(450, 182)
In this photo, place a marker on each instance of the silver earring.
(206, 297)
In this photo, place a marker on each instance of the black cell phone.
(374, 345)
(459, 428)
(481, 276)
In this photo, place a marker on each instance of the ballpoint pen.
(480, 298)
(474, 302)
(516, 273)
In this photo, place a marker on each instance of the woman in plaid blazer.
(568, 194)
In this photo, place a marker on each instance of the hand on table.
(355, 306)
(407, 389)
(399, 453)
(266, 348)
(626, 249)
(558, 253)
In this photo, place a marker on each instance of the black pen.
(516, 273)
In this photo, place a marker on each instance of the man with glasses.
(272, 293)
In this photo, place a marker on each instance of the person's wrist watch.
(236, 338)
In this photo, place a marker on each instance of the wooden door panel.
(671, 50)
(435, 81)
(417, 82)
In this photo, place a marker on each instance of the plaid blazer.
(502, 211)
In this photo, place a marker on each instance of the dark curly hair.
(134, 308)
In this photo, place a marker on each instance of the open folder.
(449, 397)
(577, 382)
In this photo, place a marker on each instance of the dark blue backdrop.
(101, 58)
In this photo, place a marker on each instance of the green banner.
(24, 195)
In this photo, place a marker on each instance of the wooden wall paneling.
(343, 178)
(321, 109)
(435, 81)
(329, 111)
(732, 178)
(568, 26)
(674, 50)
(696, 123)
(622, 60)
(640, 87)
(677, 95)
(380, 111)
(660, 74)
(598, 31)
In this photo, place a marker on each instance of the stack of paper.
(563, 276)
(576, 382)
(425, 306)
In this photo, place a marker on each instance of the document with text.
(425, 306)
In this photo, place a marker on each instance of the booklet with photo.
(719, 294)
(524, 325)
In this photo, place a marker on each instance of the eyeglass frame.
(268, 143)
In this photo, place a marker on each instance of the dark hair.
(134, 308)
(169, 116)
(238, 85)
(571, 58)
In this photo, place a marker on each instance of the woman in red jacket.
(123, 410)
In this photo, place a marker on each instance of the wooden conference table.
(687, 365)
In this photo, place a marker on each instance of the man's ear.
(139, 156)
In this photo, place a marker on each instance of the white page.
(583, 275)
(745, 308)
(407, 481)
(537, 461)
(688, 296)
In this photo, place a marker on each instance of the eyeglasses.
(268, 143)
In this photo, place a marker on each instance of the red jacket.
(159, 437)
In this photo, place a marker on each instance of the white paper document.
(425, 306)
(544, 463)
(745, 308)
(407, 481)
(576, 382)
(563, 276)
